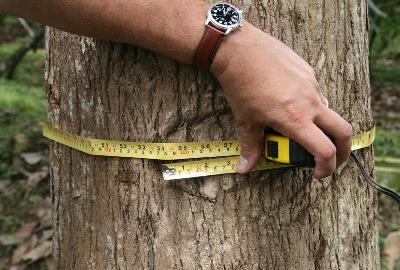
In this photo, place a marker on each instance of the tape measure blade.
(227, 151)
(147, 150)
(216, 166)
(198, 168)
(363, 140)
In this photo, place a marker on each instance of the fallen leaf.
(19, 252)
(36, 177)
(41, 251)
(17, 267)
(18, 237)
(34, 241)
(32, 158)
(391, 252)
(27, 229)
(47, 234)
(11, 239)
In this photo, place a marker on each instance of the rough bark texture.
(118, 213)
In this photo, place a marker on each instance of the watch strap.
(208, 46)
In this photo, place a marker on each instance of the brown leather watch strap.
(208, 46)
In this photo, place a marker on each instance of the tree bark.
(118, 213)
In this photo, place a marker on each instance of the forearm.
(171, 28)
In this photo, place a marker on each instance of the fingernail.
(242, 165)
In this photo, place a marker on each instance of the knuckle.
(311, 79)
(293, 115)
(328, 152)
(347, 130)
(288, 100)
(313, 100)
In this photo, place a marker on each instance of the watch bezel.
(228, 28)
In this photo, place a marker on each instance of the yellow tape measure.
(160, 151)
(215, 166)
(228, 151)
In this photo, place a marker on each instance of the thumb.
(251, 141)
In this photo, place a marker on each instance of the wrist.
(231, 48)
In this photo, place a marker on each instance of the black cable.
(374, 184)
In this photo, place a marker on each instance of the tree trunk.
(118, 213)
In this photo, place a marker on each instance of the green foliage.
(22, 102)
(387, 143)
(385, 75)
(21, 107)
(376, 11)
(11, 29)
(387, 42)
(31, 70)
(385, 30)
(25, 99)
(10, 21)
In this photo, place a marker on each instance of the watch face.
(225, 15)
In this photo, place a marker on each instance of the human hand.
(268, 85)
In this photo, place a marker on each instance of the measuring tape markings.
(216, 166)
(160, 151)
(363, 140)
(228, 150)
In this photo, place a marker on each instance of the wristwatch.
(222, 19)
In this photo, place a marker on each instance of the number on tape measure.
(215, 166)
(160, 151)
